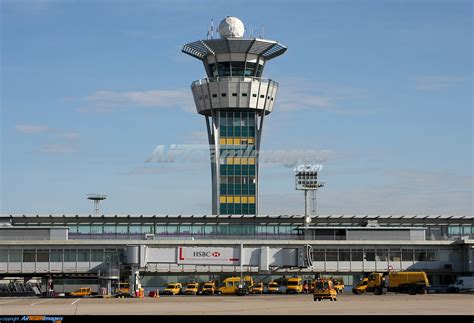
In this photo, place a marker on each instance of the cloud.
(71, 136)
(105, 101)
(31, 129)
(294, 101)
(428, 83)
(298, 94)
(59, 148)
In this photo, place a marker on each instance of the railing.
(157, 236)
(233, 79)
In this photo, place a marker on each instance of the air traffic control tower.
(234, 98)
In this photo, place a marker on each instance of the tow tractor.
(324, 289)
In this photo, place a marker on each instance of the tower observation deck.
(234, 99)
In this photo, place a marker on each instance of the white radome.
(231, 27)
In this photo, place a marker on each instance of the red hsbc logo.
(216, 254)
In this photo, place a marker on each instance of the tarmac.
(303, 304)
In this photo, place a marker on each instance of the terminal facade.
(75, 250)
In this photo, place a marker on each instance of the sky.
(378, 92)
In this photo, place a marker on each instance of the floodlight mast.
(306, 179)
(96, 198)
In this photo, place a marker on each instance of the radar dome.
(231, 27)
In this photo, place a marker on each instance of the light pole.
(306, 179)
(96, 198)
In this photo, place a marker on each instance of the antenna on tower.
(212, 28)
(261, 32)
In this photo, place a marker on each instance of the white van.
(462, 284)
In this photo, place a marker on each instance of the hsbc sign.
(208, 256)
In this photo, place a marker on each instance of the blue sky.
(379, 91)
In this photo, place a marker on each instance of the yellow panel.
(251, 199)
(251, 160)
(230, 161)
(244, 199)
(223, 199)
(243, 161)
(236, 199)
(251, 141)
(230, 141)
(222, 141)
(236, 141)
(237, 161)
(230, 199)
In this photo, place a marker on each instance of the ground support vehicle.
(173, 289)
(324, 289)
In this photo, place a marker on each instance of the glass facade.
(235, 68)
(237, 162)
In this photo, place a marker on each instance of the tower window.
(224, 95)
(272, 99)
(244, 94)
(234, 94)
(200, 97)
(214, 95)
(206, 96)
(254, 95)
(262, 96)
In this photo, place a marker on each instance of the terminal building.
(71, 251)
(75, 250)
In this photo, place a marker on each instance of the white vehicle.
(462, 284)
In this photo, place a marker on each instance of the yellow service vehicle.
(324, 289)
(256, 288)
(209, 288)
(173, 289)
(191, 289)
(294, 285)
(230, 285)
(273, 288)
(360, 287)
(123, 290)
(81, 292)
(411, 282)
(338, 284)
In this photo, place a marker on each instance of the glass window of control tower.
(235, 68)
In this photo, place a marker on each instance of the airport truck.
(338, 284)
(411, 282)
(462, 284)
(360, 287)
(324, 289)
(273, 288)
(209, 288)
(191, 289)
(81, 292)
(230, 285)
(294, 285)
